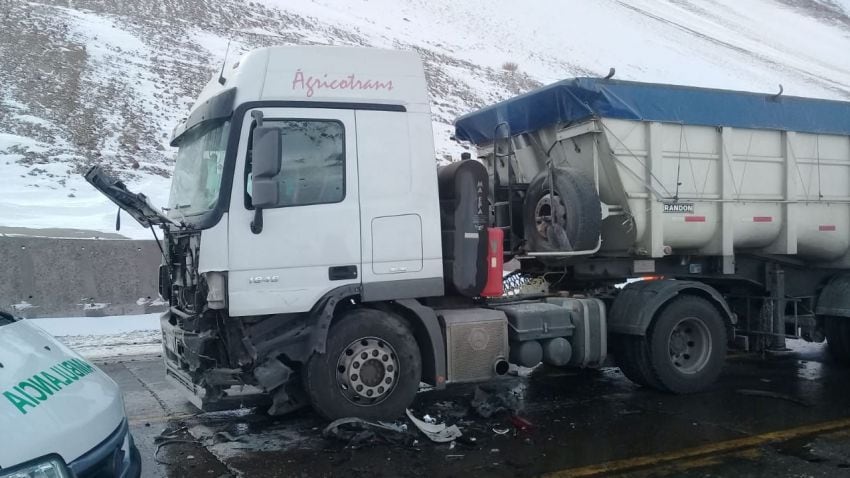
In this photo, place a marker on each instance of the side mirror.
(265, 165)
(266, 148)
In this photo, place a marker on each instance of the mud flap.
(286, 393)
(288, 398)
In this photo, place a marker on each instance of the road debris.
(521, 423)
(224, 436)
(487, 404)
(630, 412)
(161, 444)
(450, 409)
(357, 431)
(501, 431)
(438, 433)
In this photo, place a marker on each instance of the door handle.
(342, 272)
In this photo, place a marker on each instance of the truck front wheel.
(371, 368)
(838, 338)
(682, 352)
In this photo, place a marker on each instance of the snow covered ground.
(100, 337)
(105, 82)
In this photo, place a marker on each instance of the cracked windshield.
(197, 171)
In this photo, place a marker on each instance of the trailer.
(313, 251)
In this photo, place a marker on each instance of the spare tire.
(565, 218)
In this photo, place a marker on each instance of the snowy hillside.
(96, 81)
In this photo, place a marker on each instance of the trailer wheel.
(683, 351)
(565, 217)
(838, 338)
(371, 368)
(633, 359)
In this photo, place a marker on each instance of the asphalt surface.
(784, 416)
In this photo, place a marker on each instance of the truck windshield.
(197, 172)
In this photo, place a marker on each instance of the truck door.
(310, 242)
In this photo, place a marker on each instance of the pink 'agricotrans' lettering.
(311, 84)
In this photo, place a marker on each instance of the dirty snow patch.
(140, 342)
(110, 336)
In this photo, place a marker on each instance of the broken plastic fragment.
(521, 423)
(438, 433)
(487, 404)
(356, 430)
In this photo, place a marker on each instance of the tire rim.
(689, 345)
(366, 371)
(548, 207)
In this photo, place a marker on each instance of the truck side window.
(313, 163)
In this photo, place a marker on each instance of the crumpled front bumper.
(116, 456)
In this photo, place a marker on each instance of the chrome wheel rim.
(689, 345)
(367, 371)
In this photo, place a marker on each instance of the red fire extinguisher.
(495, 263)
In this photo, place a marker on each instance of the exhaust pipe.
(501, 366)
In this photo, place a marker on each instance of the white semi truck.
(315, 251)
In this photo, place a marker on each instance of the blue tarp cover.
(582, 98)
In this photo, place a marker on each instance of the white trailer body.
(709, 190)
(688, 170)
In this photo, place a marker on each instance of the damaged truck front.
(263, 247)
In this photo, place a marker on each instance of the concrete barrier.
(48, 277)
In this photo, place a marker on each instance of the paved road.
(582, 424)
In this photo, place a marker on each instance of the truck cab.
(305, 181)
(350, 198)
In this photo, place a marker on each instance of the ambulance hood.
(51, 399)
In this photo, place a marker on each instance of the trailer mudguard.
(636, 305)
(834, 299)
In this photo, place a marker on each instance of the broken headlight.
(50, 466)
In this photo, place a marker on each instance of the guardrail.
(49, 277)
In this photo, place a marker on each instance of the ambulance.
(60, 416)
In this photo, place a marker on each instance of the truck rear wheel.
(682, 352)
(371, 368)
(838, 338)
(633, 360)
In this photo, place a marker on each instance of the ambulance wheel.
(563, 217)
(371, 368)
